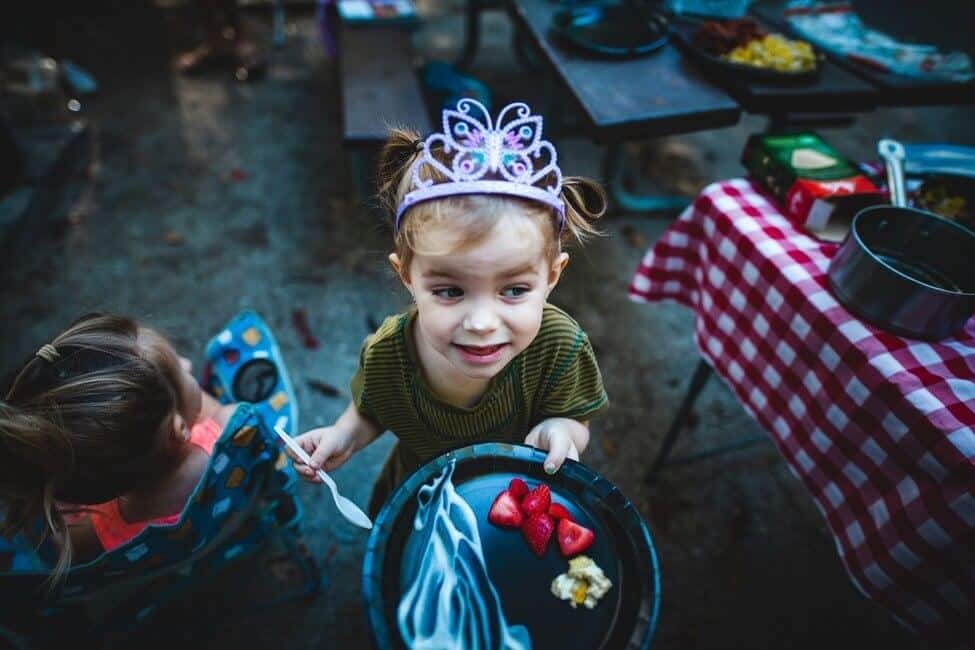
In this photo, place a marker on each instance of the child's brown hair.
(585, 201)
(82, 422)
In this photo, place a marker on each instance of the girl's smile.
(481, 354)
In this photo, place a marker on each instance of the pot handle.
(892, 152)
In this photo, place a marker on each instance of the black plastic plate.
(613, 30)
(623, 548)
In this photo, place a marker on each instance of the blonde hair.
(476, 215)
(81, 424)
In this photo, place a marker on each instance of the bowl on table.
(904, 270)
(743, 50)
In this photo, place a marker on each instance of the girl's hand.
(555, 435)
(329, 448)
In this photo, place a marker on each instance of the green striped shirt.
(555, 376)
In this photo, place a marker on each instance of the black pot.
(906, 271)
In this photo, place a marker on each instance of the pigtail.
(395, 160)
(35, 457)
(585, 202)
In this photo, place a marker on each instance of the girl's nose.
(480, 320)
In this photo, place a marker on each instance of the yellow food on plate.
(775, 52)
(584, 583)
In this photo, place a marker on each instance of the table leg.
(701, 375)
(625, 201)
(472, 32)
(526, 55)
(362, 165)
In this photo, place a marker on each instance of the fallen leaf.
(634, 237)
(330, 553)
(299, 318)
(325, 388)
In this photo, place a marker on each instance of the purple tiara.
(505, 157)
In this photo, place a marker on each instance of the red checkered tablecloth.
(879, 428)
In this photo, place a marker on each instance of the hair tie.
(48, 352)
(415, 147)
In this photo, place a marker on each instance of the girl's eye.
(448, 292)
(514, 292)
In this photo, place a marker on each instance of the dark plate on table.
(624, 617)
(618, 31)
(683, 30)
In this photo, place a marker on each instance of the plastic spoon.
(349, 510)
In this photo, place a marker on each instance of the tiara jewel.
(505, 157)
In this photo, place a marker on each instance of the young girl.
(479, 226)
(102, 432)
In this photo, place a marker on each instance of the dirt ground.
(207, 196)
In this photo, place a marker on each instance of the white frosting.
(450, 601)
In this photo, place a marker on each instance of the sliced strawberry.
(505, 511)
(573, 538)
(538, 530)
(518, 488)
(558, 511)
(538, 500)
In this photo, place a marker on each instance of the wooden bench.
(380, 89)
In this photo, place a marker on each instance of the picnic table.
(380, 88)
(880, 429)
(666, 93)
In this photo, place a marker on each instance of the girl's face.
(189, 388)
(479, 305)
(190, 393)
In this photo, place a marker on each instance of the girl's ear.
(401, 271)
(555, 271)
(181, 430)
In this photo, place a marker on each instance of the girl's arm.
(362, 428)
(211, 408)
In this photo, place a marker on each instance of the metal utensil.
(892, 152)
(349, 510)
(905, 270)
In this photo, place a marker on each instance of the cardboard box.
(814, 184)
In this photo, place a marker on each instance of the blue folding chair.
(244, 364)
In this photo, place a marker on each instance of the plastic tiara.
(489, 158)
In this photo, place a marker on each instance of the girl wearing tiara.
(480, 216)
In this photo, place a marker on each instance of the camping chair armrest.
(100, 603)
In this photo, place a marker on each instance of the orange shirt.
(106, 519)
